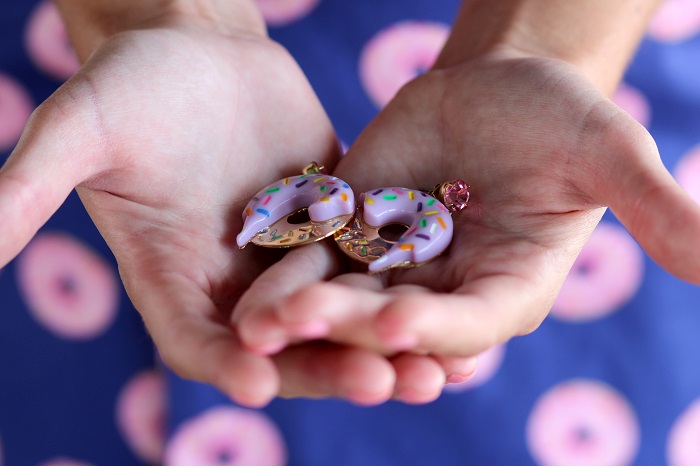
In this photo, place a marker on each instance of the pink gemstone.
(456, 195)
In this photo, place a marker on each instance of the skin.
(545, 151)
(164, 154)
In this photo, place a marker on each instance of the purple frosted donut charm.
(268, 217)
(429, 225)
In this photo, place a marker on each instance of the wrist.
(90, 22)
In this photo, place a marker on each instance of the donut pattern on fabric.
(68, 288)
(15, 108)
(606, 274)
(226, 435)
(687, 173)
(397, 54)
(676, 21)
(327, 197)
(65, 462)
(47, 43)
(141, 412)
(429, 223)
(582, 423)
(683, 447)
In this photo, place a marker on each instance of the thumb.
(643, 195)
(59, 148)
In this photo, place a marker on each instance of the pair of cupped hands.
(166, 132)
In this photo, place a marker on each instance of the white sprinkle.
(433, 228)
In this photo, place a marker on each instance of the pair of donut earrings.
(310, 207)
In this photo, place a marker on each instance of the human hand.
(167, 130)
(543, 151)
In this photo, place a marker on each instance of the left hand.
(544, 151)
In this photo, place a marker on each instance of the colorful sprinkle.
(286, 240)
(406, 247)
(425, 237)
(318, 180)
(323, 189)
(411, 196)
(443, 208)
(345, 185)
(420, 207)
(442, 224)
(364, 251)
(423, 223)
(286, 181)
(248, 212)
(272, 190)
(333, 191)
(423, 194)
(344, 197)
(411, 231)
(390, 197)
(303, 176)
(263, 211)
(369, 201)
(275, 238)
(330, 182)
(377, 192)
(325, 199)
(299, 185)
(432, 212)
(266, 200)
(431, 202)
(397, 191)
(335, 225)
(433, 228)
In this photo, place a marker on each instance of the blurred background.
(611, 378)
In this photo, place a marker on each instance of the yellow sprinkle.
(406, 247)
(410, 195)
(318, 180)
(286, 181)
(325, 199)
(442, 224)
(369, 200)
(432, 212)
(344, 197)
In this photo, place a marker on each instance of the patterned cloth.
(611, 377)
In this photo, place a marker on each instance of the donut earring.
(297, 210)
(427, 217)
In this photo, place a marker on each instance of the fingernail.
(458, 378)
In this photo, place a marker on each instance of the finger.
(323, 370)
(197, 344)
(255, 316)
(419, 379)
(457, 370)
(60, 148)
(645, 197)
(474, 318)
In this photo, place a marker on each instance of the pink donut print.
(65, 462)
(676, 21)
(604, 277)
(582, 423)
(633, 102)
(47, 42)
(283, 12)
(141, 410)
(687, 173)
(15, 108)
(398, 54)
(683, 447)
(68, 288)
(226, 436)
(488, 364)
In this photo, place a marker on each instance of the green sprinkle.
(275, 238)
(272, 190)
(364, 251)
(303, 176)
(431, 202)
(390, 197)
(323, 188)
(423, 223)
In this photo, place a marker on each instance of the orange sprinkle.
(369, 200)
(344, 197)
(320, 179)
(325, 199)
(410, 195)
(406, 247)
(432, 212)
(442, 224)
(248, 212)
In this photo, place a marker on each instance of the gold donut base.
(283, 234)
